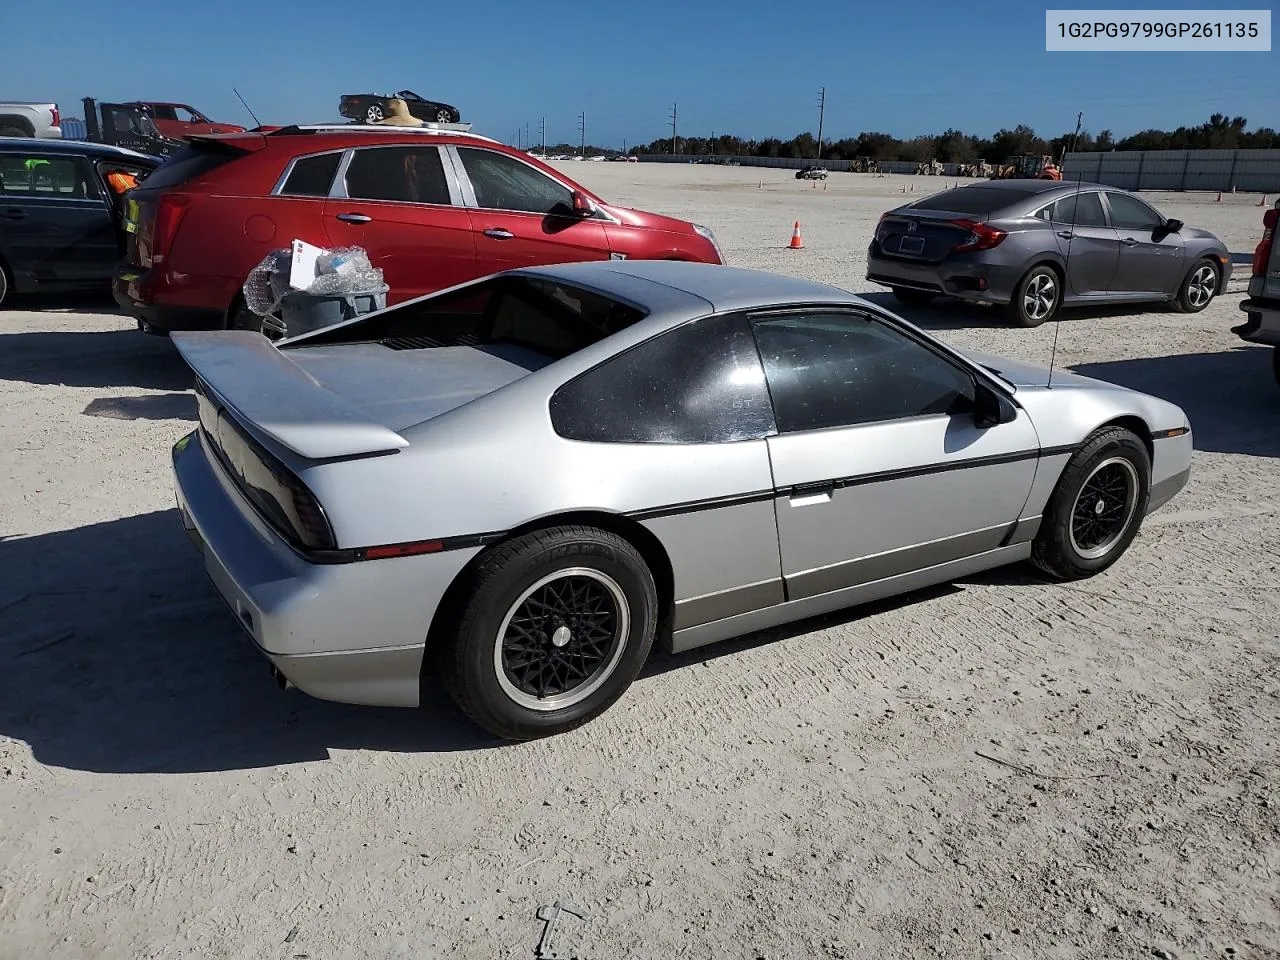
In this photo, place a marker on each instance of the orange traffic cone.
(796, 242)
(1263, 201)
(1219, 200)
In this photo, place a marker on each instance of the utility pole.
(673, 129)
(1075, 136)
(624, 146)
(822, 109)
(582, 131)
(542, 134)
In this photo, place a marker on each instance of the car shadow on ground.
(1231, 397)
(117, 656)
(104, 358)
(100, 302)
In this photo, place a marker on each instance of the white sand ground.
(814, 794)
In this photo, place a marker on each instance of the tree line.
(955, 146)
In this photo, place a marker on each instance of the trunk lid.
(923, 236)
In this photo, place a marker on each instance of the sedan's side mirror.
(1173, 226)
(583, 206)
(991, 408)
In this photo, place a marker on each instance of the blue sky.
(746, 67)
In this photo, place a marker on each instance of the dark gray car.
(1032, 246)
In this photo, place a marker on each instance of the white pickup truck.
(40, 120)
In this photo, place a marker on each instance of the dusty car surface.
(1033, 246)
(524, 482)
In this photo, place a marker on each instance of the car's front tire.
(374, 114)
(1097, 507)
(556, 626)
(915, 298)
(1036, 297)
(1199, 287)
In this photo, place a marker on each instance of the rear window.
(540, 319)
(188, 164)
(974, 200)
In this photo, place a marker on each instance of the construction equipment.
(979, 168)
(931, 169)
(864, 165)
(1027, 166)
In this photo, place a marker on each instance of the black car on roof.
(62, 212)
(372, 107)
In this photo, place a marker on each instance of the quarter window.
(1129, 213)
(504, 183)
(699, 383)
(843, 369)
(403, 174)
(312, 176)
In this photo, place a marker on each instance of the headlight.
(705, 232)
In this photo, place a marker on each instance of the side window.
(1129, 213)
(699, 383)
(163, 112)
(24, 175)
(187, 115)
(405, 174)
(1083, 210)
(504, 183)
(312, 176)
(844, 369)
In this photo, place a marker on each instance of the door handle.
(806, 494)
(1129, 242)
(354, 217)
(498, 233)
(14, 214)
(1065, 234)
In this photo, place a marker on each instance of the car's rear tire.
(576, 589)
(444, 116)
(1036, 298)
(13, 132)
(1097, 507)
(916, 298)
(6, 285)
(374, 114)
(1199, 287)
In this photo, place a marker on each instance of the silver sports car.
(521, 483)
(1033, 246)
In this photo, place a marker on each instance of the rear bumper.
(961, 277)
(1263, 325)
(132, 290)
(352, 632)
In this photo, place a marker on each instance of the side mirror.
(991, 408)
(583, 206)
(1173, 226)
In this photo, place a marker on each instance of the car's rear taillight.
(57, 117)
(1262, 253)
(164, 226)
(981, 236)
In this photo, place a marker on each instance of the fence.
(1249, 170)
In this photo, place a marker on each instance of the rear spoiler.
(274, 396)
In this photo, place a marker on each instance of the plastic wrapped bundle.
(345, 270)
(260, 288)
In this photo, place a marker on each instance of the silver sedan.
(521, 484)
(1033, 246)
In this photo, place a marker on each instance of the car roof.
(81, 147)
(724, 288)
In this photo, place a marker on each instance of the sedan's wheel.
(918, 298)
(374, 113)
(1036, 298)
(1097, 507)
(5, 286)
(444, 116)
(1199, 287)
(557, 625)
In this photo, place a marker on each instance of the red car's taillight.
(164, 226)
(1262, 253)
(981, 236)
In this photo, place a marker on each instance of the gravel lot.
(997, 768)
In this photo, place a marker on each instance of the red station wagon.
(432, 208)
